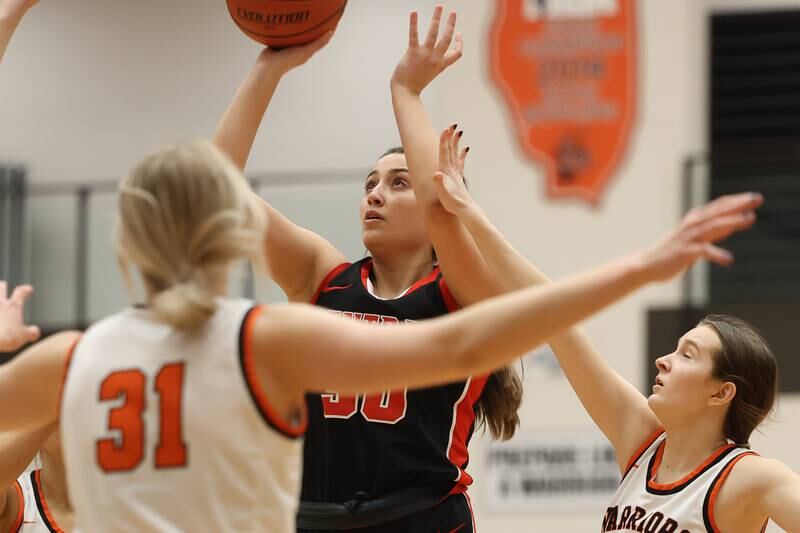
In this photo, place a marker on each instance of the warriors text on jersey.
(34, 515)
(164, 430)
(686, 506)
(371, 458)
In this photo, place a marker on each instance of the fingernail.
(460, 133)
(467, 149)
(454, 126)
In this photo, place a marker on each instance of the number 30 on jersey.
(386, 408)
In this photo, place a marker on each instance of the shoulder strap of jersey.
(447, 296)
(257, 393)
(41, 503)
(17, 524)
(710, 501)
(327, 280)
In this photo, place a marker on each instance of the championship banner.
(567, 72)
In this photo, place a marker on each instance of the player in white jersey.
(709, 396)
(185, 413)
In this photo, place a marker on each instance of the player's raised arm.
(468, 278)
(11, 13)
(350, 357)
(617, 407)
(298, 259)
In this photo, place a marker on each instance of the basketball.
(283, 23)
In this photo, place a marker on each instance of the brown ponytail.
(499, 404)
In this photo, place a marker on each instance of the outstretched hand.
(694, 238)
(286, 59)
(449, 181)
(422, 63)
(14, 333)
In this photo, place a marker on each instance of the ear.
(724, 395)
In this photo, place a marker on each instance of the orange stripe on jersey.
(691, 475)
(20, 508)
(460, 431)
(638, 453)
(712, 502)
(327, 279)
(271, 416)
(45, 511)
(67, 361)
(449, 301)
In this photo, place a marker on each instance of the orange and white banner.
(567, 72)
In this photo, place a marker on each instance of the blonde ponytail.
(185, 215)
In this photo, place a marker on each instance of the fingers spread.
(20, 294)
(455, 54)
(728, 205)
(32, 333)
(413, 30)
(443, 44)
(433, 30)
(721, 227)
(717, 255)
(444, 148)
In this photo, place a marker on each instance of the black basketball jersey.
(375, 451)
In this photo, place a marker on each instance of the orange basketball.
(282, 23)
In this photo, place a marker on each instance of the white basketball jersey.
(166, 430)
(35, 516)
(686, 506)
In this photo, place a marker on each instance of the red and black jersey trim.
(41, 503)
(253, 386)
(328, 278)
(674, 488)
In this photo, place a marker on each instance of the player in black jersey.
(371, 459)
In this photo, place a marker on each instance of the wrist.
(637, 267)
(398, 86)
(471, 214)
(269, 65)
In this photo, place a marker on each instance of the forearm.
(239, 125)
(529, 317)
(420, 141)
(17, 450)
(602, 391)
(511, 268)
(8, 23)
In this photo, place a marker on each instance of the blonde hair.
(185, 214)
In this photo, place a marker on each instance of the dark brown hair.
(745, 360)
(498, 406)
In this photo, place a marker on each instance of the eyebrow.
(391, 171)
